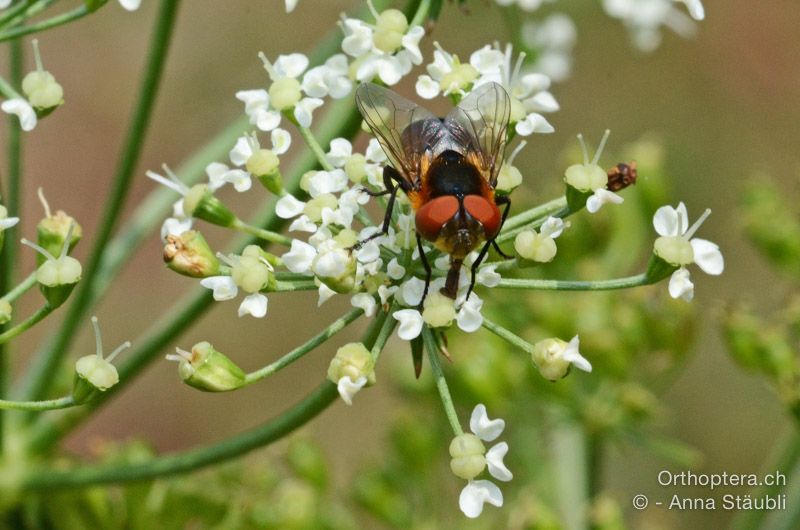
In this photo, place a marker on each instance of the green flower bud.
(346, 238)
(285, 93)
(57, 276)
(554, 357)
(93, 373)
(200, 202)
(390, 27)
(251, 271)
(206, 369)
(51, 232)
(313, 208)
(467, 456)
(264, 164)
(508, 178)
(40, 87)
(356, 168)
(190, 255)
(352, 360)
(439, 310)
(6, 312)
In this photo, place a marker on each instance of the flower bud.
(6, 312)
(57, 276)
(51, 232)
(467, 456)
(93, 373)
(251, 271)
(352, 369)
(439, 310)
(534, 246)
(508, 178)
(200, 202)
(583, 179)
(313, 208)
(190, 255)
(389, 29)
(265, 165)
(206, 369)
(41, 88)
(356, 168)
(285, 93)
(554, 357)
(336, 268)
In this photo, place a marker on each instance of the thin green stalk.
(543, 210)
(299, 285)
(313, 144)
(441, 383)
(261, 233)
(21, 288)
(8, 253)
(575, 285)
(9, 92)
(421, 13)
(31, 10)
(26, 324)
(12, 12)
(384, 334)
(335, 327)
(169, 465)
(785, 460)
(507, 335)
(49, 404)
(39, 377)
(49, 23)
(511, 233)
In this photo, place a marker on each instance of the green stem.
(168, 465)
(507, 335)
(422, 12)
(575, 285)
(313, 144)
(299, 285)
(39, 378)
(8, 252)
(543, 210)
(785, 460)
(384, 334)
(441, 383)
(53, 22)
(9, 92)
(337, 326)
(31, 10)
(536, 222)
(20, 289)
(12, 12)
(261, 233)
(26, 324)
(50, 404)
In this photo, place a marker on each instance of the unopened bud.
(284, 93)
(57, 276)
(533, 246)
(467, 456)
(51, 232)
(41, 88)
(554, 357)
(207, 369)
(251, 271)
(439, 310)
(201, 203)
(190, 255)
(351, 369)
(265, 165)
(93, 373)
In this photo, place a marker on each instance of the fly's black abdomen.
(452, 174)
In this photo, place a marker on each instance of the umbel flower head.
(93, 373)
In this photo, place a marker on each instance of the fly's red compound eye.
(486, 212)
(432, 216)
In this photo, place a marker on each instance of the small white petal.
(696, 10)
(600, 197)
(239, 178)
(290, 5)
(281, 140)
(487, 60)
(410, 323)
(477, 492)
(410, 42)
(364, 301)
(553, 227)
(707, 256)
(130, 5)
(411, 291)
(534, 123)
(23, 110)
(680, 286)
(542, 102)
(484, 428)
(667, 221)
(254, 305)
(304, 109)
(266, 120)
(299, 257)
(241, 151)
(469, 316)
(494, 461)
(395, 270)
(385, 293)
(303, 224)
(348, 388)
(488, 276)
(358, 37)
(325, 294)
(216, 175)
(426, 87)
(8, 222)
(173, 226)
(292, 65)
(288, 206)
(574, 356)
(223, 286)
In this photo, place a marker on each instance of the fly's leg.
(393, 182)
(491, 243)
(424, 259)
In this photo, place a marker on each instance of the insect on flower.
(447, 167)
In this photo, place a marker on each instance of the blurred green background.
(725, 105)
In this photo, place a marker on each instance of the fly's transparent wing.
(480, 124)
(405, 130)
